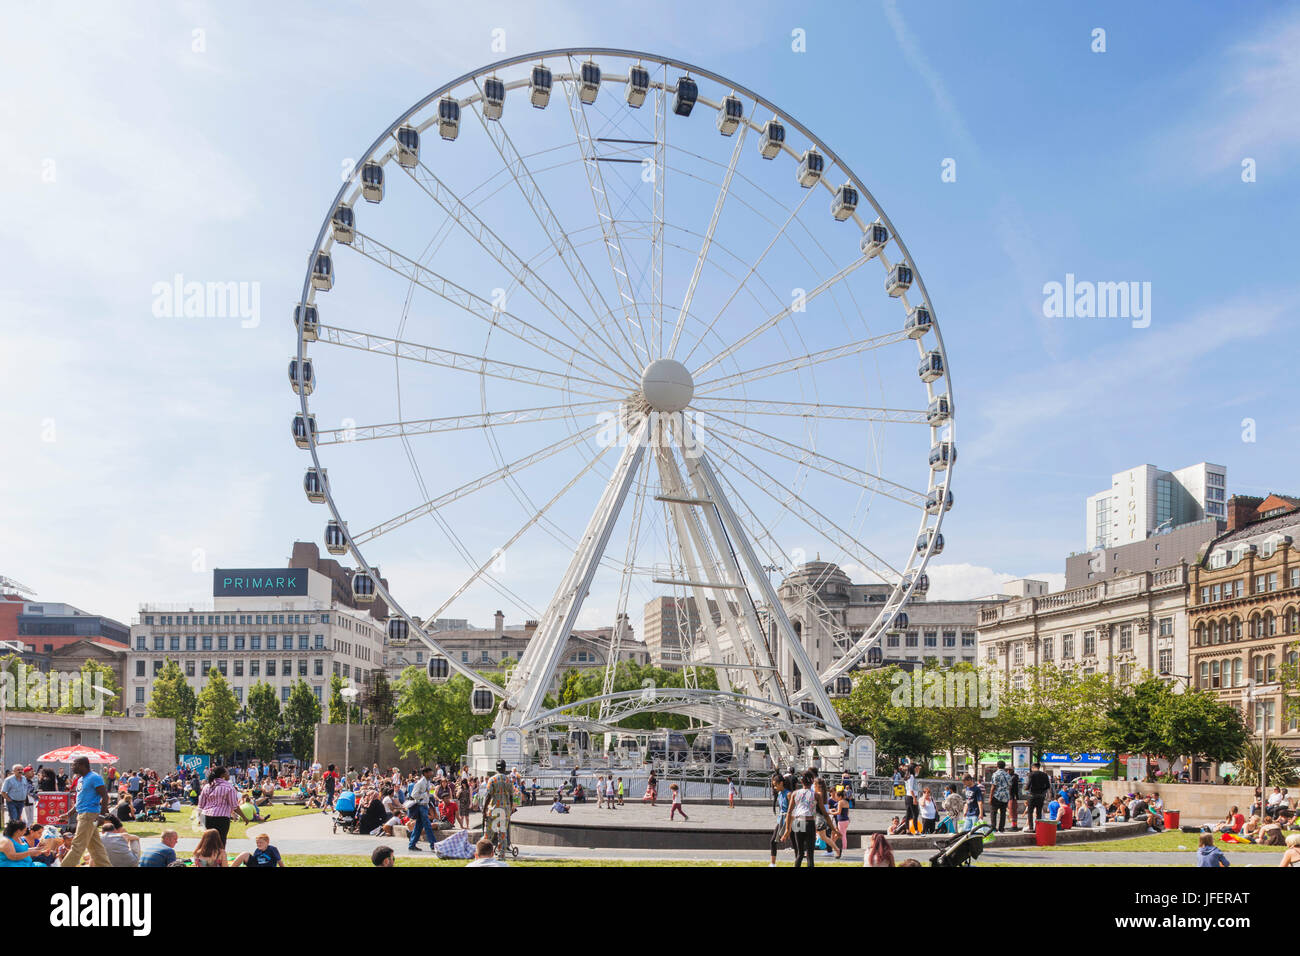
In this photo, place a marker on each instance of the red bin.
(1171, 819)
(1045, 833)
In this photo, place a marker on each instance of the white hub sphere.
(667, 386)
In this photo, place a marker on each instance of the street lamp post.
(349, 695)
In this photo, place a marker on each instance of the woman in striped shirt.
(218, 802)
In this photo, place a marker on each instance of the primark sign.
(258, 582)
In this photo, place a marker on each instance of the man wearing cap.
(14, 789)
(29, 811)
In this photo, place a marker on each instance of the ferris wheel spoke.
(858, 477)
(480, 308)
(819, 410)
(708, 238)
(625, 585)
(478, 484)
(503, 549)
(604, 215)
(545, 216)
(499, 250)
(657, 236)
(749, 273)
(709, 386)
(459, 361)
(450, 423)
(789, 310)
(812, 517)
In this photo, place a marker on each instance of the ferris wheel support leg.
(524, 694)
(702, 471)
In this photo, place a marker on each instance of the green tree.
(174, 698)
(338, 711)
(433, 721)
(877, 707)
(301, 715)
(1197, 724)
(262, 728)
(218, 730)
(1134, 718)
(94, 684)
(1281, 766)
(377, 700)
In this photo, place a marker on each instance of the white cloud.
(963, 582)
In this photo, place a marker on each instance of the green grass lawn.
(180, 822)
(1158, 842)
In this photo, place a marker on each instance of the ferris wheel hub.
(667, 386)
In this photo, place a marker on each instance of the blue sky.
(139, 449)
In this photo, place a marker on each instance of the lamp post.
(349, 695)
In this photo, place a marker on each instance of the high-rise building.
(277, 625)
(1145, 499)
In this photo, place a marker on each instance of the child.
(677, 804)
(731, 794)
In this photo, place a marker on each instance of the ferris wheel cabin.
(363, 588)
(539, 86)
(899, 281)
(638, 84)
(343, 224)
(494, 98)
(811, 166)
(304, 431)
(322, 272)
(937, 502)
(942, 454)
(408, 147)
(931, 367)
(729, 114)
(588, 82)
(372, 181)
(687, 93)
(313, 484)
(919, 322)
(439, 670)
(939, 412)
(772, 140)
(300, 379)
(448, 118)
(845, 203)
(481, 701)
(399, 632)
(306, 321)
(923, 543)
(874, 238)
(336, 541)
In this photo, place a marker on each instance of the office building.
(1146, 498)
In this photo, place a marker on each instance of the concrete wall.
(1197, 802)
(137, 741)
(369, 745)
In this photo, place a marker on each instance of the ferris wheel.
(590, 328)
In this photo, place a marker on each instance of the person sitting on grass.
(123, 848)
(250, 810)
(164, 854)
(262, 857)
(210, 851)
(1232, 823)
(1250, 831)
(1207, 854)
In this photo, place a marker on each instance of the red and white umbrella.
(69, 754)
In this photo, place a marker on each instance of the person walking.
(801, 821)
(611, 793)
(218, 802)
(974, 802)
(1039, 785)
(1000, 797)
(677, 804)
(782, 787)
(15, 792)
(1014, 799)
(731, 794)
(419, 809)
(91, 808)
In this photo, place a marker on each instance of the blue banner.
(1099, 759)
(198, 763)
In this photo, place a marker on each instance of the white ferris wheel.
(590, 327)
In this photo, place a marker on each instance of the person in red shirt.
(1065, 818)
(448, 810)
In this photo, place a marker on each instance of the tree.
(95, 685)
(1198, 724)
(1134, 717)
(338, 711)
(174, 698)
(218, 730)
(434, 721)
(1281, 766)
(263, 726)
(301, 715)
(875, 709)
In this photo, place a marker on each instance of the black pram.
(964, 848)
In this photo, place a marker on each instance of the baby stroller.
(964, 848)
(347, 819)
(152, 812)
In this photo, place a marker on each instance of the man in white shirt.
(485, 854)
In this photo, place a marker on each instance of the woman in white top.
(929, 811)
(801, 822)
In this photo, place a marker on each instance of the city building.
(1163, 549)
(1245, 613)
(668, 624)
(45, 626)
(1146, 498)
(1123, 626)
(498, 648)
(276, 625)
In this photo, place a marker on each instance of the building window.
(320, 642)
(191, 643)
(318, 668)
(139, 695)
(157, 668)
(1048, 649)
(158, 643)
(968, 638)
(284, 694)
(1167, 660)
(255, 642)
(891, 640)
(931, 638)
(1018, 655)
(207, 642)
(1166, 627)
(239, 668)
(221, 668)
(174, 643)
(223, 642)
(189, 668)
(912, 637)
(204, 668)
(302, 667)
(1089, 643)
(254, 668)
(1067, 647)
(1126, 637)
(270, 668)
(239, 642)
(139, 668)
(1126, 673)
(270, 642)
